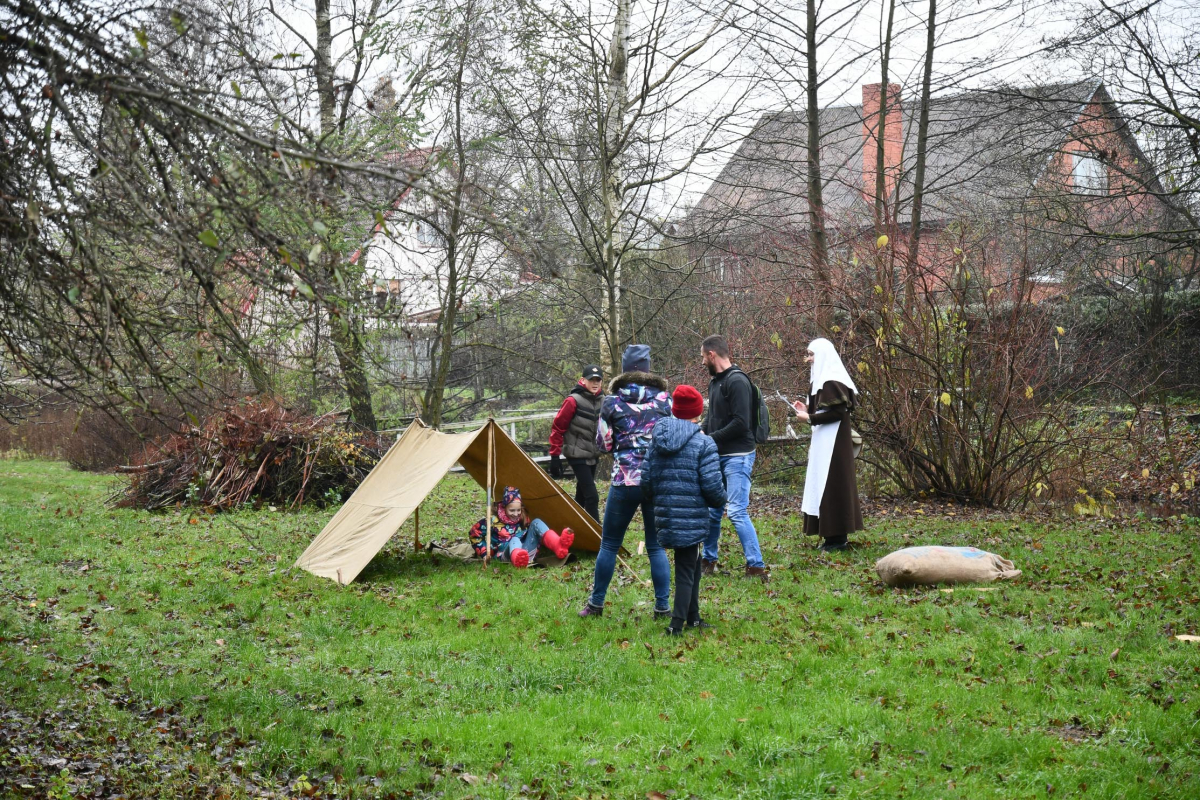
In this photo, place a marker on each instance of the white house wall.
(410, 260)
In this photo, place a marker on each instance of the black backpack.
(760, 417)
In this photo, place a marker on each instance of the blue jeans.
(529, 542)
(623, 502)
(736, 471)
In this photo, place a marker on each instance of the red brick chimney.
(893, 138)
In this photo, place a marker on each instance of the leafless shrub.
(86, 437)
(960, 368)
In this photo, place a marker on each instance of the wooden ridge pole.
(491, 466)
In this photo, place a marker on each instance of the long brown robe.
(841, 513)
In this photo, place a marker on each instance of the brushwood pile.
(255, 453)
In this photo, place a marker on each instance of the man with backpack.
(732, 424)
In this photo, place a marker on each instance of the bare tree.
(1146, 54)
(150, 191)
(113, 154)
(922, 143)
(753, 209)
(614, 124)
(468, 196)
(361, 25)
(815, 182)
(1142, 201)
(880, 126)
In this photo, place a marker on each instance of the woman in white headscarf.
(830, 505)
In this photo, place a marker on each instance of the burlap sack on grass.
(927, 566)
(458, 550)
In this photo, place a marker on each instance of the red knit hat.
(688, 403)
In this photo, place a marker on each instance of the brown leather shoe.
(708, 567)
(758, 572)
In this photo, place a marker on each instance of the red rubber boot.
(520, 558)
(559, 543)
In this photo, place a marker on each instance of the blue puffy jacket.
(682, 476)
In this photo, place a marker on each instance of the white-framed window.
(714, 264)
(427, 234)
(1088, 173)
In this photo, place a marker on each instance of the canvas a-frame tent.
(411, 469)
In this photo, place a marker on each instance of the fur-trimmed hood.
(635, 402)
(646, 379)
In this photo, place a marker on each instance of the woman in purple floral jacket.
(637, 399)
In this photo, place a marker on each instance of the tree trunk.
(459, 259)
(439, 369)
(881, 215)
(818, 239)
(316, 354)
(343, 332)
(616, 98)
(435, 388)
(1159, 336)
(348, 347)
(324, 67)
(914, 244)
(610, 321)
(258, 375)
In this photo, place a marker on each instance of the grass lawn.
(174, 653)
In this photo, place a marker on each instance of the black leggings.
(585, 487)
(686, 610)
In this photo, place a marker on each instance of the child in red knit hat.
(515, 537)
(682, 477)
(687, 403)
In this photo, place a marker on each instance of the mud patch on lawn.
(1074, 732)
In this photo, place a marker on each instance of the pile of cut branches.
(254, 453)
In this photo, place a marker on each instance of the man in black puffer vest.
(573, 435)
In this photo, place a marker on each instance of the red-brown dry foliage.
(965, 391)
(92, 439)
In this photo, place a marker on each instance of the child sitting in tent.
(515, 537)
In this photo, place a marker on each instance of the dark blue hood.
(672, 435)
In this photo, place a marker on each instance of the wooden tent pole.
(625, 564)
(487, 512)
(417, 531)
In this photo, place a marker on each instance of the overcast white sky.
(980, 42)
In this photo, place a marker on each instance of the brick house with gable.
(1056, 160)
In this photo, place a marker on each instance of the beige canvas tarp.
(410, 470)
